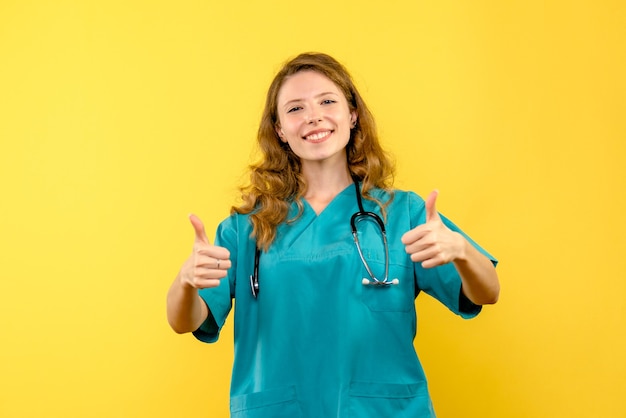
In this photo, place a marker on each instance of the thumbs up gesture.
(207, 264)
(433, 243)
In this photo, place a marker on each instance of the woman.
(325, 314)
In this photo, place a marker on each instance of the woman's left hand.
(433, 243)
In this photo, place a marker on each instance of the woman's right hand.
(207, 264)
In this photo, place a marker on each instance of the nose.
(313, 116)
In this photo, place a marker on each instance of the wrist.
(185, 284)
(462, 248)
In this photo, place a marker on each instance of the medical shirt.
(317, 343)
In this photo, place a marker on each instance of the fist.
(433, 243)
(207, 264)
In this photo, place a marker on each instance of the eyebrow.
(317, 96)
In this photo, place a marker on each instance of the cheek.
(292, 129)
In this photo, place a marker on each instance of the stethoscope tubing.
(356, 217)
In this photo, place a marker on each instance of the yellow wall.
(118, 118)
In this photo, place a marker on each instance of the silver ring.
(218, 261)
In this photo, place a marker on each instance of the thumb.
(431, 209)
(198, 227)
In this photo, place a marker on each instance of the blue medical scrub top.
(316, 342)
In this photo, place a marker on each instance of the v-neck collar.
(348, 189)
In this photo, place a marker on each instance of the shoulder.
(404, 205)
(398, 197)
(235, 224)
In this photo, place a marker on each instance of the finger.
(424, 254)
(432, 262)
(205, 283)
(416, 247)
(428, 258)
(198, 227)
(215, 263)
(431, 209)
(214, 252)
(209, 273)
(415, 234)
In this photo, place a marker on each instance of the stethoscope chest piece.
(376, 282)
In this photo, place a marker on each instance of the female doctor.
(325, 259)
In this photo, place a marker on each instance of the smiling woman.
(311, 277)
(315, 121)
(118, 117)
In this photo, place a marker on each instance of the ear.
(353, 119)
(280, 133)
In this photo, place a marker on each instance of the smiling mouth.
(318, 136)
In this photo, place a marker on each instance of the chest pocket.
(388, 298)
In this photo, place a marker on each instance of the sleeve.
(443, 282)
(219, 299)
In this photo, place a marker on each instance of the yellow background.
(118, 118)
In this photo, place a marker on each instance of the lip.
(320, 135)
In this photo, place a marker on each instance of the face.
(314, 118)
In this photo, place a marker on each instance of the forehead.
(305, 84)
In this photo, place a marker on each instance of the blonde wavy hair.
(276, 180)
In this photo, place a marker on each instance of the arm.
(478, 275)
(186, 311)
(206, 266)
(434, 244)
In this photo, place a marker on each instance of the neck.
(324, 185)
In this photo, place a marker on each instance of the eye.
(328, 101)
(294, 109)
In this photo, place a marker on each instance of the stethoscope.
(354, 220)
(358, 217)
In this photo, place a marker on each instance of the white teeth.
(318, 136)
